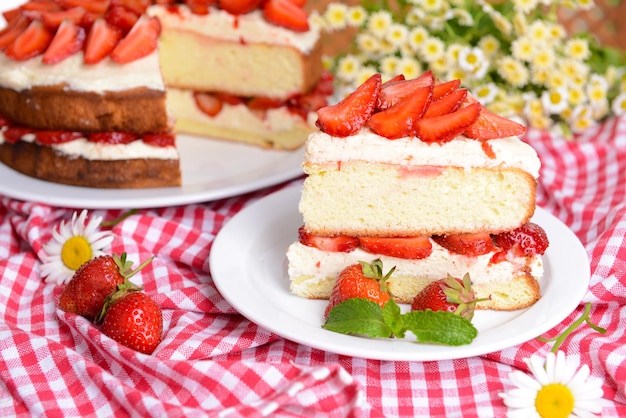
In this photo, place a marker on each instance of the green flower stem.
(559, 339)
(114, 222)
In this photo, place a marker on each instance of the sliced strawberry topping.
(411, 248)
(492, 126)
(287, 14)
(337, 244)
(230, 99)
(208, 103)
(16, 26)
(399, 120)
(139, 42)
(350, 114)
(15, 133)
(529, 239)
(442, 89)
(263, 103)
(112, 137)
(239, 7)
(447, 127)
(68, 40)
(4, 121)
(52, 20)
(101, 40)
(39, 6)
(95, 6)
(136, 6)
(33, 41)
(56, 137)
(160, 139)
(121, 18)
(199, 7)
(470, 245)
(446, 104)
(392, 92)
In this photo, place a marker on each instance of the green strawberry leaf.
(358, 316)
(439, 327)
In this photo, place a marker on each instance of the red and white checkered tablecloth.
(214, 362)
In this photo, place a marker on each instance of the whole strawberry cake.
(419, 174)
(92, 92)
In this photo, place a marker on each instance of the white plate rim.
(237, 263)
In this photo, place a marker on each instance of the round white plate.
(211, 169)
(249, 268)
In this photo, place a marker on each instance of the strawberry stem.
(559, 339)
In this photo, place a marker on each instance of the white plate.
(211, 169)
(249, 267)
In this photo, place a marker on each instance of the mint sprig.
(360, 316)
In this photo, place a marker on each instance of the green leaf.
(393, 318)
(439, 327)
(358, 316)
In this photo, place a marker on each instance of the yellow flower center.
(76, 251)
(554, 401)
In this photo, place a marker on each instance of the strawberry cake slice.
(419, 174)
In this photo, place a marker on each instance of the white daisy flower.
(336, 16)
(485, 93)
(379, 23)
(72, 245)
(555, 389)
(619, 105)
(555, 101)
(356, 16)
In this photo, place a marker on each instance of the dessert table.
(215, 362)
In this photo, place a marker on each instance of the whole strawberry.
(133, 319)
(361, 280)
(449, 294)
(93, 282)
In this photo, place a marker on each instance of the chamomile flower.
(356, 16)
(555, 101)
(348, 68)
(557, 388)
(577, 49)
(336, 15)
(72, 245)
(619, 105)
(379, 23)
(486, 93)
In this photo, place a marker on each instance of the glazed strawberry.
(112, 137)
(399, 120)
(239, 7)
(56, 137)
(394, 90)
(410, 248)
(449, 294)
(160, 139)
(133, 319)
(350, 114)
(15, 27)
(336, 244)
(446, 104)
(52, 20)
(471, 245)
(68, 40)
(446, 127)
(492, 126)
(442, 89)
(208, 103)
(92, 282)
(287, 14)
(139, 42)
(527, 240)
(101, 40)
(361, 280)
(121, 18)
(34, 40)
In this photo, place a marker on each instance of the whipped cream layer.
(319, 265)
(73, 74)
(247, 28)
(365, 145)
(108, 152)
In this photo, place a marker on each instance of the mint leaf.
(393, 318)
(439, 327)
(358, 316)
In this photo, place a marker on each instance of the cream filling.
(182, 104)
(247, 28)
(319, 265)
(462, 152)
(74, 75)
(107, 152)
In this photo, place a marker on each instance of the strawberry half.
(34, 40)
(446, 104)
(446, 127)
(361, 280)
(527, 240)
(52, 20)
(16, 26)
(399, 120)
(409, 248)
(133, 319)
(336, 244)
(350, 114)
(101, 40)
(139, 42)
(449, 294)
(492, 126)
(68, 40)
(209, 104)
(287, 14)
(396, 90)
(239, 7)
(469, 244)
(442, 89)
